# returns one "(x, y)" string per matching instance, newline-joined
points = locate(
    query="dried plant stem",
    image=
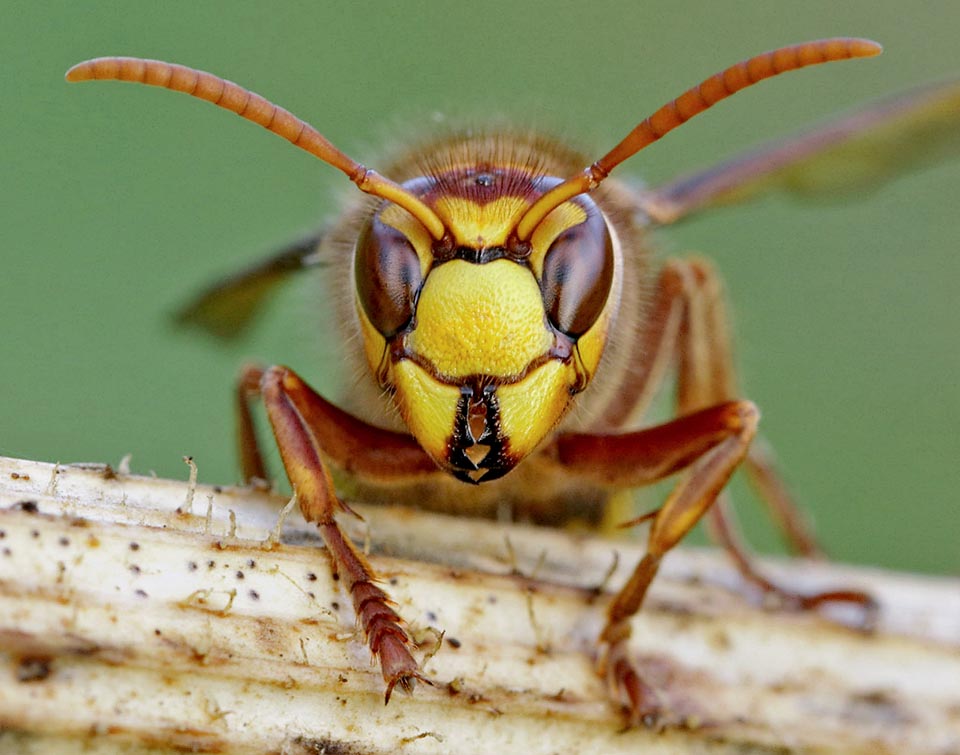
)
(129, 624)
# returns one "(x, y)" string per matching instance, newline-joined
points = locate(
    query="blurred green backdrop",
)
(119, 201)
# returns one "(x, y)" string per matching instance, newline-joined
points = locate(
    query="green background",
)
(118, 202)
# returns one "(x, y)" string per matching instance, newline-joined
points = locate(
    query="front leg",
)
(307, 428)
(712, 443)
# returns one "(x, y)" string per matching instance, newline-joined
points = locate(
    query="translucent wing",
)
(856, 152)
(228, 307)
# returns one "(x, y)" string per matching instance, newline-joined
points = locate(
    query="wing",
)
(227, 308)
(858, 151)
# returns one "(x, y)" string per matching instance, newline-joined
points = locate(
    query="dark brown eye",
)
(578, 273)
(387, 274)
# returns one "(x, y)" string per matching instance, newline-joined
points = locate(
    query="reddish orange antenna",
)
(693, 102)
(255, 108)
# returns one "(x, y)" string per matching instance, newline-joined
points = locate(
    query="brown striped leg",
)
(678, 298)
(707, 376)
(349, 443)
(712, 443)
(304, 425)
(687, 327)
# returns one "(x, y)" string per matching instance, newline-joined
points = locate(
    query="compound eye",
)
(578, 273)
(387, 274)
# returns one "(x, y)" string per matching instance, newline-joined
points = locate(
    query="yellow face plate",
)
(480, 320)
(480, 342)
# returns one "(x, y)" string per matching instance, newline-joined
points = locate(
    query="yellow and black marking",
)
(477, 447)
(478, 335)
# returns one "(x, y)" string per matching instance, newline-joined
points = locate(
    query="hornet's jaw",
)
(478, 431)
(476, 449)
